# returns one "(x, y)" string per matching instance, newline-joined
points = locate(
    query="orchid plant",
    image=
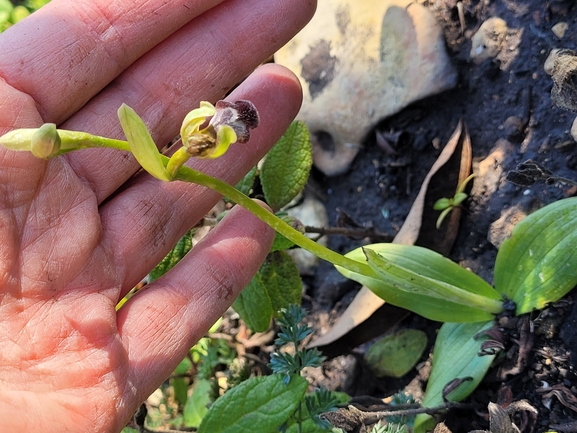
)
(535, 266)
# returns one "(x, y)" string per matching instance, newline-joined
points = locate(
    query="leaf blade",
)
(286, 168)
(260, 405)
(538, 263)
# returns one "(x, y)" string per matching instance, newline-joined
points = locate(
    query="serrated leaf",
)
(182, 247)
(196, 406)
(431, 273)
(406, 344)
(282, 280)
(254, 305)
(259, 405)
(538, 263)
(286, 169)
(455, 356)
(281, 243)
(141, 144)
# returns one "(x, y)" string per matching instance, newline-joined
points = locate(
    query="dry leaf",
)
(366, 302)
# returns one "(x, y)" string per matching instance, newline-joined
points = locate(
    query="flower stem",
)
(189, 175)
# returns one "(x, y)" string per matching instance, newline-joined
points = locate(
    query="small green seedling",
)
(446, 205)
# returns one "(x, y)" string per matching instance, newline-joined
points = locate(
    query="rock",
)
(360, 62)
(494, 40)
(559, 29)
(501, 229)
(311, 213)
(488, 41)
(574, 129)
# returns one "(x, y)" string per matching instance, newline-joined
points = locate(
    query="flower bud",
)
(45, 142)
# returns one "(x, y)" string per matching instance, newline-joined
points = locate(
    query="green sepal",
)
(538, 263)
(282, 280)
(286, 169)
(455, 356)
(259, 405)
(254, 306)
(426, 283)
(141, 144)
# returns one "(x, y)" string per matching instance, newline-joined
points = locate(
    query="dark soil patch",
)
(380, 188)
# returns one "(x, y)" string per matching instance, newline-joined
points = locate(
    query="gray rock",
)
(360, 62)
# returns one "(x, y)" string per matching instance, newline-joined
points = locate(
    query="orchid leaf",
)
(456, 356)
(141, 144)
(426, 283)
(538, 263)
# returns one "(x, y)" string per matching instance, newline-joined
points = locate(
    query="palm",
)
(77, 232)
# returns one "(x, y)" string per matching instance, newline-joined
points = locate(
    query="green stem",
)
(189, 175)
(73, 140)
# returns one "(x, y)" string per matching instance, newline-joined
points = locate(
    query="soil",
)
(505, 104)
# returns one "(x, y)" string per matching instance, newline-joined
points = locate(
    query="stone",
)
(560, 29)
(360, 62)
(311, 212)
(494, 40)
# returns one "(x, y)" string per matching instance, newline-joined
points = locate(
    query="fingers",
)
(143, 222)
(199, 62)
(159, 325)
(65, 53)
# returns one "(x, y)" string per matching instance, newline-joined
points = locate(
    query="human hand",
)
(77, 232)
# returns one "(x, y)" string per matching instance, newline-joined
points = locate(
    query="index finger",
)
(66, 52)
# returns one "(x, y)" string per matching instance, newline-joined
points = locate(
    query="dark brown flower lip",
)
(240, 115)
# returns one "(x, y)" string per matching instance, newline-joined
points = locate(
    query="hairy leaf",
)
(282, 280)
(286, 169)
(538, 263)
(258, 405)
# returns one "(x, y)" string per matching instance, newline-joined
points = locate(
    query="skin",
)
(77, 232)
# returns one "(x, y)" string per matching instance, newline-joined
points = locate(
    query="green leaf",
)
(180, 384)
(280, 242)
(182, 247)
(254, 306)
(141, 143)
(406, 344)
(426, 283)
(196, 406)
(455, 356)
(538, 263)
(259, 405)
(247, 182)
(286, 169)
(282, 280)
(307, 426)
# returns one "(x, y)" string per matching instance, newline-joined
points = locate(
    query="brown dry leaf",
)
(366, 302)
